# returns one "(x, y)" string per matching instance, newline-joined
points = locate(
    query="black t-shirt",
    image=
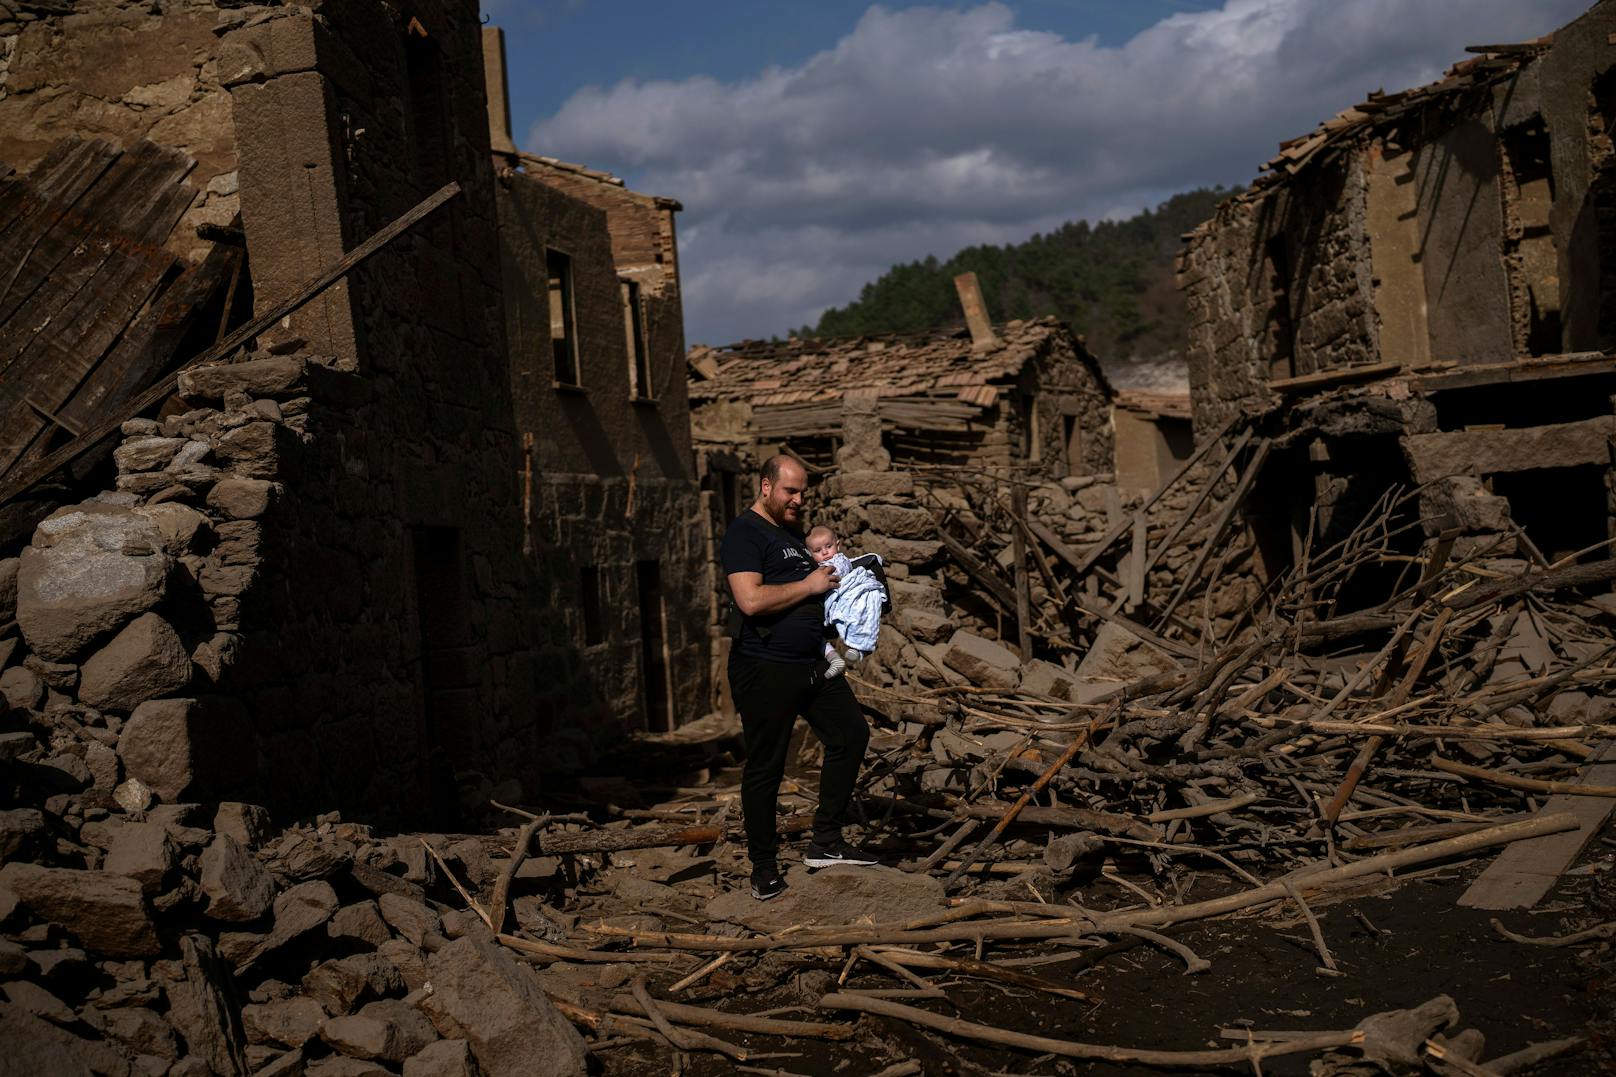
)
(797, 634)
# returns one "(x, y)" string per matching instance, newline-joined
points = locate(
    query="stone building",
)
(326, 574)
(1419, 292)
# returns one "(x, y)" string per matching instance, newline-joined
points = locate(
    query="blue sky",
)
(814, 144)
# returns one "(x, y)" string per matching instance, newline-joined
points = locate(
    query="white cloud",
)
(928, 129)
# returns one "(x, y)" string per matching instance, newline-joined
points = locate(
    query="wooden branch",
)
(1326, 961)
(502, 888)
(980, 969)
(955, 1026)
(572, 953)
(1553, 580)
(737, 1022)
(1530, 785)
(1194, 963)
(471, 902)
(1236, 499)
(26, 477)
(1199, 810)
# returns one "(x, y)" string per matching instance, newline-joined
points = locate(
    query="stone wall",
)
(125, 71)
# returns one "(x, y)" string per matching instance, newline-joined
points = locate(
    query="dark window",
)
(429, 137)
(653, 647)
(1535, 257)
(558, 268)
(639, 360)
(1281, 329)
(589, 596)
(1072, 444)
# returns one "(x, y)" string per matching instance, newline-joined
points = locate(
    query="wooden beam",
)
(1324, 379)
(27, 477)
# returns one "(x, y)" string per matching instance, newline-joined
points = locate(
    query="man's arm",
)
(754, 597)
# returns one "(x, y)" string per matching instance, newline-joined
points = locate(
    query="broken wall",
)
(612, 511)
(123, 72)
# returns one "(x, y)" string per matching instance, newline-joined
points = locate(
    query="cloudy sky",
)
(815, 144)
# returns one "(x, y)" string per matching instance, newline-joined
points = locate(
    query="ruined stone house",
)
(1419, 292)
(349, 568)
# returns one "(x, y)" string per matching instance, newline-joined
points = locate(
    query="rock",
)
(35, 1046)
(338, 985)
(410, 918)
(870, 484)
(272, 376)
(343, 1066)
(289, 1022)
(137, 1028)
(247, 823)
(925, 625)
(408, 960)
(143, 852)
(983, 662)
(1119, 656)
(178, 524)
(145, 660)
(445, 1058)
(1042, 678)
(133, 796)
(237, 886)
(8, 587)
(480, 994)
(90, 569)
(146, 453)
(241, 499)
(14, 746)
(362, 922)
(22, 688)
(65, 967)
(106, 913)
(301, 909)
(63, 676)
(34, 999)
(21, 832)
(13, 959)
(205, 1010)
(183, 747)
(391, 1030)
(838, 895)
(102, 763)
(898, 551)
(251, 451)
(898, 522)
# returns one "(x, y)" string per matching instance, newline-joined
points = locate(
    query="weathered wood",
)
(1235, 501)
(1558, 579)
(26, 477)
(1018, 550)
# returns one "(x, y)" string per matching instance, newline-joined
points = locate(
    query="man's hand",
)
(822, 579)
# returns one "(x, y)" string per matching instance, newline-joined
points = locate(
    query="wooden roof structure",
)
(923, 381)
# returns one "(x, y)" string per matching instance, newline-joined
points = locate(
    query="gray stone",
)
(445, 1058)
(143, 852)
(898, 522)
(251, 450)
(106, 913)
(14, 746)
(22, 688)
(133, 795)
(247, 823)
(1118, 656)
(409, 917)
(870, 484)
(480, 994)
(63, 676)
(272, 376)
(342, 1065)
(191, 453)
(238, 888)
(362, 922)
(102, 763)
(839, 895)
(90, 569)
(339, 985)
(289, 1022)
(1042, 678)
(205, 1009)
(137, 1028)
(21, 832)
(146, 453)
(35, 1046)
(898, 551)
(925, 625)
(984, 663)
(144, 661)
(181, 747)
(241, 499)
(178, 524)
(34, 999)
(301, 909)
(8, 587)
(390, 1030)
(408, 960)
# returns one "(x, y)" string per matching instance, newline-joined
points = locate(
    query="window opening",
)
(558, 269)
(1531, 252)
(639, 361)
(589, 595)
(1281, 330)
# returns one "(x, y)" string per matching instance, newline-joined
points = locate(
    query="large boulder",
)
(146, 660)
(238, 888)
(184, 748)
(480, 994)
(983, 662)
(90, 569)
(142, 851)
(107, 913)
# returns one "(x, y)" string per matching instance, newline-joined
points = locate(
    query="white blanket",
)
(854, 607)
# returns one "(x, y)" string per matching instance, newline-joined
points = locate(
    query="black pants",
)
(770, 696)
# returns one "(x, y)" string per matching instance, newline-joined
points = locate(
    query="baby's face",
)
(824, 548)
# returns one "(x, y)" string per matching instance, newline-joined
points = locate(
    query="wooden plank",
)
(1570, 365)
(1018, 549)
(1235, 501)
(1525, 872)
(1135, 576)
(1339, 376)
(28, 476)
(967, 560)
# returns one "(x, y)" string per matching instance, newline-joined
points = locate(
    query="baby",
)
(854, 608)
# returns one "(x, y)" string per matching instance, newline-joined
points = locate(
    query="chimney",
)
(976, 313)
(497, 91)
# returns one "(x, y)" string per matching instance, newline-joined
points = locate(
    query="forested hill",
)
(1112, 282)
